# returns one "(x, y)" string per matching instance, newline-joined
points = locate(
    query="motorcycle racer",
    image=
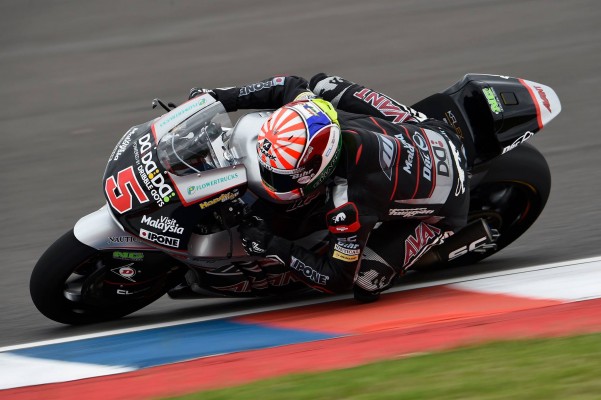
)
(391, 182)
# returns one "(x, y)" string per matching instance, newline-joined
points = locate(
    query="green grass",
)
(563, 368)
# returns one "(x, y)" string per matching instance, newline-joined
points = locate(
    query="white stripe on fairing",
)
(18, 371)
(588, 264)
(570, 283)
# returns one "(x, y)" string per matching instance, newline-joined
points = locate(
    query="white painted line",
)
(587, 261)
(571, 283)
(18, 371)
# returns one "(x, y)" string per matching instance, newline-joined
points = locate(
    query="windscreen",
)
(195, 145)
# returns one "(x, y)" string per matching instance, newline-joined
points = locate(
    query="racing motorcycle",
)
(176, 188)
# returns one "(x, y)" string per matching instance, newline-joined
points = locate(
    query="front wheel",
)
(76, 284)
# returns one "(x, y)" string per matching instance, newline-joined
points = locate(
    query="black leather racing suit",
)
(399, 186)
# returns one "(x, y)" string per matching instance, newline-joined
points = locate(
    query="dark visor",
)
(277, 182)
(286, 180)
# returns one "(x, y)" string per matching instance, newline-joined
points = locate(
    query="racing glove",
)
(195, 92)
(255, 236)
(258, 240)
(329, 87)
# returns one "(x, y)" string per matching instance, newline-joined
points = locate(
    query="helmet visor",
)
(287, 180)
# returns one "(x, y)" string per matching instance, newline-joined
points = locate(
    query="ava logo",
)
(543, 97)
(423, 236)
(126, 272)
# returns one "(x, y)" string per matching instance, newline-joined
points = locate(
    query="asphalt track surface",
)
(74, 76)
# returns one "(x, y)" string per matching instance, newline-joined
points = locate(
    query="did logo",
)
(126, 272)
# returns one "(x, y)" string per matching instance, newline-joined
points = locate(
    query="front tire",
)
(69, 285)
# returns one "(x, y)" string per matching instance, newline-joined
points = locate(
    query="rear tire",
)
(510, 197)
(67, 285)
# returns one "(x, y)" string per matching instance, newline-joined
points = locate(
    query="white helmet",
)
(298, 148)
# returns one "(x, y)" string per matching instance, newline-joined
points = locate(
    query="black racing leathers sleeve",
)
(270, 93)
(335, 270)
(352, 97)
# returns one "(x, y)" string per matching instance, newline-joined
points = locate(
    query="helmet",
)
(298, 148)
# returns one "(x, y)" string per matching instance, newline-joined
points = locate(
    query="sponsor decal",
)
(191, 106)
(460, 187)
(123, 144)
(128, 255)
(410, 212)
(303, 201)
(388, 154)
(493, 100)
(372, 280)
(308, 272)
(255, 87)
(118, 191)
(410, 153)
(122, 239)
(468, 248)
(440, 154)
(160, 239)
(450, 119)
(349, 243)
(241, 287)
(220, 199)
(164, 224)
(149, 172)
(265, 149)
(384, 104)
(543, 97)
(340, 217)
(423, 236)
(281, 279)
(421, 144)
(126, 272)
(518, 141)
(345, 257)
(347, 251)
(344, 219)
(196, 188)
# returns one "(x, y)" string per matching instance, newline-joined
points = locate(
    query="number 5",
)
(126, 179)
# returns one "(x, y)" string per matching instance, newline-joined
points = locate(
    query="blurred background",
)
(76, 75)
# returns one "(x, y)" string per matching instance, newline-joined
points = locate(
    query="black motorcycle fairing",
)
(493, 114)
(160, 208)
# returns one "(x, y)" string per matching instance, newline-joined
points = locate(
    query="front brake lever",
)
(167, 107)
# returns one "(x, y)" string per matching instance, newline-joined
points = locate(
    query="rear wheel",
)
(510, 197)
(76, 284)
